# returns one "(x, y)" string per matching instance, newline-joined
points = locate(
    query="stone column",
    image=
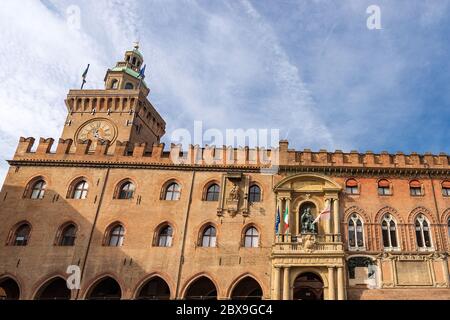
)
(340, 283)
(445, 270)
(276, 283)
(286, 284)
(331, 284)
(336, 216)
(328, 222)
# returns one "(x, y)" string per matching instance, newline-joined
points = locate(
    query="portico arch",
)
(308, 286)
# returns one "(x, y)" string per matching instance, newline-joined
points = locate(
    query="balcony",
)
(307, 244)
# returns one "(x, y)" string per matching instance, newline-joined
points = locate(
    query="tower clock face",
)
(95, 130)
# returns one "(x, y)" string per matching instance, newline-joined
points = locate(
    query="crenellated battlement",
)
(219, 156)
(68, 150)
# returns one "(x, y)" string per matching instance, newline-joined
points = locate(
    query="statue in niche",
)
(307, 220)
(234, 193)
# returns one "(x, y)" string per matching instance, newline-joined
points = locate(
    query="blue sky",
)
(310, 68)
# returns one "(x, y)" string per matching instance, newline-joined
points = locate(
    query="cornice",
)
(283, 170)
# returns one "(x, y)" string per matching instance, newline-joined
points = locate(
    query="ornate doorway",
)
(308, 286)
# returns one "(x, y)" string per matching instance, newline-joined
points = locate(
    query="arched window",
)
(172, 192)
(38, 189)
(116, 236)
(80, 190)
(389, 232)
(351, 186)
(446, 188)
(68, 236)
(212, 194)
(114, 84)
(254, 193)
(251, 238)
(209, 237)
(384, 187)
(129, 86)
(422, 232)
(165, 236)
(21, 235)
(355, 233)
(415, 188)
(126, 190)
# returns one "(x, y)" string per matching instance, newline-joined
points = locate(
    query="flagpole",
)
(84, 76)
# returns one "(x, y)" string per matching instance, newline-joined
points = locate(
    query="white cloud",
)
(230, 64)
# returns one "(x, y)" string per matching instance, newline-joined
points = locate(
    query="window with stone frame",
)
(422, 228)
(446, 188)
(254, 194)
(415, 188)
(251, 238)
(213, 192)
(165, 236)
(38, 190)
(209, 237)
(126, 190)
(389, 232)
(68, 235)
(384, 187)
(116, 236)
(80, 190)
(173, 192)
(21, 235)
(355, 233)
(351, 186)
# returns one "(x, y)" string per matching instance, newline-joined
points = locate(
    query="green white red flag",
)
(286, 220)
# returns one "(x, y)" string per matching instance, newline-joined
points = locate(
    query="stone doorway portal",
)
(308, 286)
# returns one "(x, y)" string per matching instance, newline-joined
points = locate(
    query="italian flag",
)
(286, 220)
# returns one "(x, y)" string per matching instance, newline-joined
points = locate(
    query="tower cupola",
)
(134, 58)
(129, 73)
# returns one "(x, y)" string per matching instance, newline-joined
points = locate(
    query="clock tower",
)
(119, 112)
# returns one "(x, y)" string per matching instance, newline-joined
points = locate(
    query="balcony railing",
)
(307, 243)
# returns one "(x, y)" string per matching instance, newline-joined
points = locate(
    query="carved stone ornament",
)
(234, 193)
(233, 200)
(309, 242)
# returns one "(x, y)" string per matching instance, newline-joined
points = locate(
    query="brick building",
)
(143, 222)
